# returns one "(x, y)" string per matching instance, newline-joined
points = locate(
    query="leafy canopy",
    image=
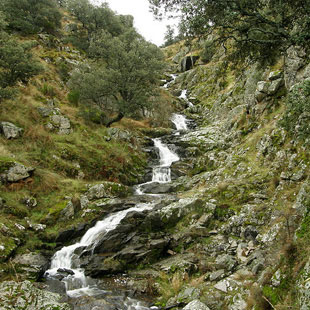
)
(31, 16)
(257, 26)
(123, 75)
(16, 62)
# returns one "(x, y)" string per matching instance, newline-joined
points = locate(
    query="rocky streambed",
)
(135, 235)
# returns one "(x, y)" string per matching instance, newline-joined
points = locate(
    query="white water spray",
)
(67, 259)
(179, 121)
(184, 97)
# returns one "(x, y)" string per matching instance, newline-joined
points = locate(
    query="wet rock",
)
(158, 188)
(10, 131)
(25, 295)
(71, 233)
(32, 265)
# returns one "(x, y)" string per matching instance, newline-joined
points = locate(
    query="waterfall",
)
(67, 260)
(162, 173)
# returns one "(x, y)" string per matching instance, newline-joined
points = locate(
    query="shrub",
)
(74, 97)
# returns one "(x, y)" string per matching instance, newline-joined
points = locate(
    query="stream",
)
(65, 264)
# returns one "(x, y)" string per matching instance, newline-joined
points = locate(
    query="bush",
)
(296, 119)
(31, 16)
(74, 97)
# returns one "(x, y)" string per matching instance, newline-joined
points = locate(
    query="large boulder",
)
(31, 265)
(9, 130)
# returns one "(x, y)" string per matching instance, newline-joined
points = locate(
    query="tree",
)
(31, 16)
(96, 18)
(257, 26)
(16, 62)
(169, 36)
(123, 76)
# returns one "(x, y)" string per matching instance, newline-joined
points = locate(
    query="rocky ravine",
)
(231, 233)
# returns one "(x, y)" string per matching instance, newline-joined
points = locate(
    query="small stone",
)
(196, 305)
(19, 226)
(217, 275)
(275, 75)
(221, 286)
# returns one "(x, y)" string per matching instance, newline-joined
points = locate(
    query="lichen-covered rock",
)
(10, 131)
(24, 295)
(106, 190)
(16, 172)
(303, 288)
(294, 61)
(60, 123)
(68, 212)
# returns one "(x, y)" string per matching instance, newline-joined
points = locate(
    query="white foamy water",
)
(173, 77)
(162, 172)
(184, 97)
(179, 121)
(66, 258)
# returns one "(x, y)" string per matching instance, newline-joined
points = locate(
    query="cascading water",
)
(184, 97)
(173, 77)
(179, 121)
(162, 173)
(67, 260)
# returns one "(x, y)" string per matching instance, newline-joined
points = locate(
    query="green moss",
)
(6, 163)
(271, 294)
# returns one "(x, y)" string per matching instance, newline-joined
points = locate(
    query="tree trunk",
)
(116, 119)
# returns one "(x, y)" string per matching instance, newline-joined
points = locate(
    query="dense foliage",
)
(124, 69)
(31, 16)
(258, 27)
(16, 62)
